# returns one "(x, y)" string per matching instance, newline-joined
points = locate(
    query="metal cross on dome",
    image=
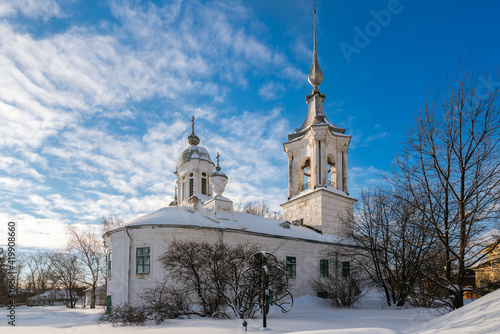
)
(218, 156)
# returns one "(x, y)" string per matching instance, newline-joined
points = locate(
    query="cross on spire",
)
(193, 140)
(218, 167)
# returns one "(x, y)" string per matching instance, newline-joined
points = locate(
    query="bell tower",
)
(317, 165)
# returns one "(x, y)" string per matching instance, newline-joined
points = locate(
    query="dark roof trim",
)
(231, 230)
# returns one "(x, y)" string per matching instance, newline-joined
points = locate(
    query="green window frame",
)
(142, 260)
(324, 268)
(322, 294)
(110, 258)
(346, 270)
(291, 266)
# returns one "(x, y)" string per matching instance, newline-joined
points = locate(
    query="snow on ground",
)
(480, 316)
(310, 315)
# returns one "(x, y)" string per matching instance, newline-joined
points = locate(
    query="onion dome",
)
(193, 151)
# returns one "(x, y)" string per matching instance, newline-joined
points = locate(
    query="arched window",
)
(204, 183)
(191, 185)
(307, 174)
(332, 173)
(183, 188)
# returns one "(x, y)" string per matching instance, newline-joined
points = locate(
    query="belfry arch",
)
(331, 179)
(305, 173)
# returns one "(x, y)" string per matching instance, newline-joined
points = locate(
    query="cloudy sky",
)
(96, 97)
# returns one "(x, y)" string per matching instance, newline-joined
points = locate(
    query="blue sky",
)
(96, 97)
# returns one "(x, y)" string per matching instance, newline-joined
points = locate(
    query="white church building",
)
(318, 202)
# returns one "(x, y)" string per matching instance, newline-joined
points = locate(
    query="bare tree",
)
(450, 167)
(89, 247)
(110, 222)
(259, 208)
(339, 290)
(38, 272)
(210, 273)
(392, 243)
(3, 277)
(67, 270)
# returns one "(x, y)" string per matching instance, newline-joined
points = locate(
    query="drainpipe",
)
(129, 263)
(222, 235)
(106, 262)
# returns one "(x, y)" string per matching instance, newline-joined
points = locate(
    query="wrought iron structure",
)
(264, 284)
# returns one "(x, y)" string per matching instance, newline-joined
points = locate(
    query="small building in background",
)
(100, 296)
(55, 297)
(488, 271)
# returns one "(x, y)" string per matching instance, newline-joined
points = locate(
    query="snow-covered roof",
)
(184, 217)
(97, 288)
(53, 294)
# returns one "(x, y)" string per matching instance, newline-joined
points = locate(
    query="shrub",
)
(340, 291)
(164, 301)
(125, 314)
(208, 274)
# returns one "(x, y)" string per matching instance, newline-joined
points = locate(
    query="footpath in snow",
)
(310, 315)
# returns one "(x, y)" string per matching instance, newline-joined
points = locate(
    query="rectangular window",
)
(204, 186)
(346, 270)
(109, 265)
(143, 261)
(324, 268)
(291, 266)
(322, 294)
(191, 187)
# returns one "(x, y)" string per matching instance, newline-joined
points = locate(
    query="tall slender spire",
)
(315, 100)
(315, 73)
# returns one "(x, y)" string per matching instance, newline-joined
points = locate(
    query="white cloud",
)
(362, 176)
(271, 90)
(35, 232)
(80, 145)
(39, 9)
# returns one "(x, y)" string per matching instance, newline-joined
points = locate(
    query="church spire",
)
(315, 73)
(193, 139)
